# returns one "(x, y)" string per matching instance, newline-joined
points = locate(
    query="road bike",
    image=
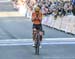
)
(37, 38)
(37, 42)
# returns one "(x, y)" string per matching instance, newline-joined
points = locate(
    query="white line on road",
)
(46, 41)
(53, 43)
(11, 14)
(5, 0)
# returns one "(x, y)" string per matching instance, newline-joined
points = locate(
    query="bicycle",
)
(37, 42)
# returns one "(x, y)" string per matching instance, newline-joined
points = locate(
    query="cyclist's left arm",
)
(40, 16)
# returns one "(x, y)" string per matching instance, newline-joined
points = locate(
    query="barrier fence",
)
(65, 23)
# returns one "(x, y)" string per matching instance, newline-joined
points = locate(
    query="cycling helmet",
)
(37, 9)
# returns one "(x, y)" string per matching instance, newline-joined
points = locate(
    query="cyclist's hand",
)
(33, 18)
(37, 18)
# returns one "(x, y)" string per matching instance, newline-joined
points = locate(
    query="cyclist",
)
(36, 20)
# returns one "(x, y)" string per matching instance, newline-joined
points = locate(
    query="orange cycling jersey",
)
(37, 20)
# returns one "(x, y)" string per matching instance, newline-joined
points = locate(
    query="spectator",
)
(73, 7)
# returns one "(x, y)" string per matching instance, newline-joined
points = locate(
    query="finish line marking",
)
(46, 41)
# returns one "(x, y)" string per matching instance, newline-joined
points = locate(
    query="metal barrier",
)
(65, 23)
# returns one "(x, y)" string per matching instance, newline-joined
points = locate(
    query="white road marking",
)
(10, 14)
(5, 0)
(46, 41)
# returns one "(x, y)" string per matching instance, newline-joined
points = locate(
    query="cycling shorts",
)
(37, 26)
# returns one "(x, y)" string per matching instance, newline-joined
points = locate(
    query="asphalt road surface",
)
(6, 7)
(46, 52)
(21, 28)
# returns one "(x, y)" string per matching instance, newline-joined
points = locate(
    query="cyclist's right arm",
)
(34, 17)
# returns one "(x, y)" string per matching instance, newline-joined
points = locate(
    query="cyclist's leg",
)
(34, 34)
(41, 33)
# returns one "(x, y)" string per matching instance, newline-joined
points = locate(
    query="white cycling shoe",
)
(39, 46)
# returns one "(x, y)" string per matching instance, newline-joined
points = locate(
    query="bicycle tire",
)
(37, 50)
(37, 44)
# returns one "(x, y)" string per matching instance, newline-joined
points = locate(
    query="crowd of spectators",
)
(60, 8)
(48, 7)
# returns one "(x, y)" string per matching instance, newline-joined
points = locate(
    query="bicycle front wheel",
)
(37, 44)
(37, 50)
